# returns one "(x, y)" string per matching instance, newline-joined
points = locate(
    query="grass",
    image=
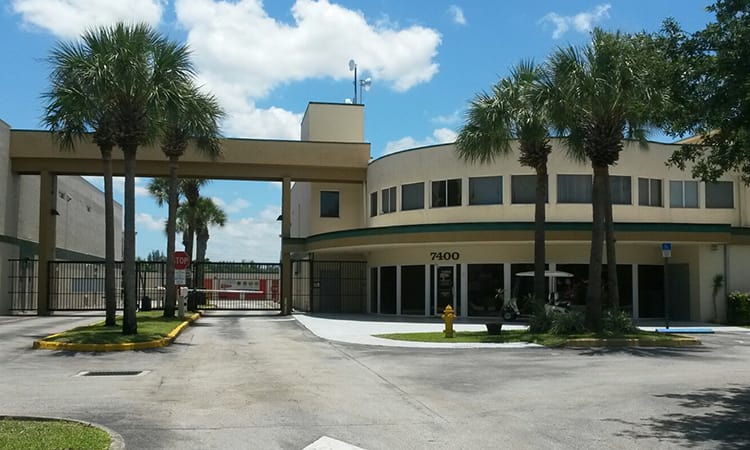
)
(546, 339)
(151, 326)
(29, 434)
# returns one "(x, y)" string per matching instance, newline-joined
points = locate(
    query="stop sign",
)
(181, 260)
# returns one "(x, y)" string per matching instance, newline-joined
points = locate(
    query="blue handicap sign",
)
(666, 246)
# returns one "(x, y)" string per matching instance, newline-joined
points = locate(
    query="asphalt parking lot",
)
(247, 381)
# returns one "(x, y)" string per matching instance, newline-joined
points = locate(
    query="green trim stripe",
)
(523, 226)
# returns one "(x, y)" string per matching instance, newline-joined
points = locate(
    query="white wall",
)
(80, 223)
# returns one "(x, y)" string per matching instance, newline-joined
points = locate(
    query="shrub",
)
(617, 322)
(541, 320)
(570, 322)
(738, 312)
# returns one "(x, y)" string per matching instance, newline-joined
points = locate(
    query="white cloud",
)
(457, 14)
(118, 185)
(67, 19)
(439, 136)
(250, 238)
(235, 206)
(582, 22)
(449, 119)
(150, 222)
(242, 54)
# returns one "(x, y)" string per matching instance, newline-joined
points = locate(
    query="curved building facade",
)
(431, 229)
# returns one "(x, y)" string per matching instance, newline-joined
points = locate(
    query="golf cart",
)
(510, 309)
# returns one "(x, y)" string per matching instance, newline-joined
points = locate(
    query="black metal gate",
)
(79, 285)
(236, 286)
(329, 286)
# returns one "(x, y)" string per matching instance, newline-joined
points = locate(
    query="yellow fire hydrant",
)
(448, 317)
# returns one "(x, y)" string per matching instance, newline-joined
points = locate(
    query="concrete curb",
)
(682, 341)
(118, 443)
(42, 344)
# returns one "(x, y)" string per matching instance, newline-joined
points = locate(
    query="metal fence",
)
(317, 286)
(79, 285)
(236, 286)
(22, 284)
(329, 286)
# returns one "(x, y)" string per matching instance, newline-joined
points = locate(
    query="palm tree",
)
(78, 104)
(199, 216)
(195, 117)
(601, 95)
(137, 74)
(515, 110)
(189, 188)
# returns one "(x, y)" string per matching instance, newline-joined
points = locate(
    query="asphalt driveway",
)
(246, 381)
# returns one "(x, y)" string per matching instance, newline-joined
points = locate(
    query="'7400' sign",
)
(445, 256)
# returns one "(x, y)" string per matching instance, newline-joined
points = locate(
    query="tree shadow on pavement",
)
(697, 351)
(717, 417)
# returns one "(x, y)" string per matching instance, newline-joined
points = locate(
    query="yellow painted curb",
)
(682, 341)
(43, 344)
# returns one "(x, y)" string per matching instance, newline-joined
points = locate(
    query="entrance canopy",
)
(34, 152)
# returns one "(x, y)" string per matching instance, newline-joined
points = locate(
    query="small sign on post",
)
(181, 262)
(666, 253)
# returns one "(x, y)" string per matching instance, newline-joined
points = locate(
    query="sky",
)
(266, 60)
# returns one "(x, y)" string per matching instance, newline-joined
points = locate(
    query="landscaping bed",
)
(643, 338)
(153, 331)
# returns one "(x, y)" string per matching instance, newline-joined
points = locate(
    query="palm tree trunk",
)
(594, 291)
(110, 293)
(539, 222)
(171, 292)
(129, 323)
(201, 244)
(613, 289)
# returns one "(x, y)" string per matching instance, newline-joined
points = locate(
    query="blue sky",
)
(266, 60)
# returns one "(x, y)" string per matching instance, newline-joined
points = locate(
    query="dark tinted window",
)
(329, 204)
(486, 191)
(412, 196)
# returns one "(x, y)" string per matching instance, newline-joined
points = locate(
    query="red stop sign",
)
(181, 260)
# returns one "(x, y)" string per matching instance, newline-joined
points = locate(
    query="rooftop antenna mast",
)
(353, 67)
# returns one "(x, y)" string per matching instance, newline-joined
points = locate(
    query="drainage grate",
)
(113, 373)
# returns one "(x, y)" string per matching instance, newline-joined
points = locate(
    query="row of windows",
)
(570, 189)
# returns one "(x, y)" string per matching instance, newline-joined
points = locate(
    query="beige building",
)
(432, 229)
(79, 232)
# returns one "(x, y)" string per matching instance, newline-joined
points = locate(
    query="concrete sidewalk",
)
(360, 329)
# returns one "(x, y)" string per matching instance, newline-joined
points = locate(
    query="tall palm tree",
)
(601, 95)
(194, 118)
(515, 110)
(138, 73)
(199, 216)
(79, 105)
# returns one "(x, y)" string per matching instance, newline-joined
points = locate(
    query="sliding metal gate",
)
(237, 286)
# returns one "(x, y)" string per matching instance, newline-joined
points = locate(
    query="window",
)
(574, 189)
(329, 204)
(720, 194)
(486, 191)
(446, 193)
(649, 192)
(620, 190)
(523, 189)
(683, 194)
(373, 204)
(412, 196)
(388, 200)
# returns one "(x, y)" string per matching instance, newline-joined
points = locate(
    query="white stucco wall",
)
(80, 223)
